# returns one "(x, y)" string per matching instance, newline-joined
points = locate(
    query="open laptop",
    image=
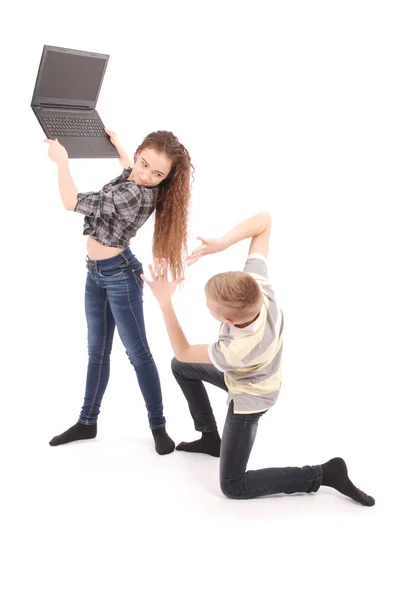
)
(64, 101)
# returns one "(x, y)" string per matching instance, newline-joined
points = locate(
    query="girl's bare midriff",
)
(98, 252)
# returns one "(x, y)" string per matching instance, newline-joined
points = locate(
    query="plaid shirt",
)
(114, 215)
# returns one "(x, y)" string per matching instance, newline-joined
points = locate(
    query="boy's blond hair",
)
(237, 293)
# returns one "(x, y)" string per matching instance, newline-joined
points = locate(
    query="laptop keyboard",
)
(73, 125)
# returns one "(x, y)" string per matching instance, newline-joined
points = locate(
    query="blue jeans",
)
(114, 296)
(237, 441)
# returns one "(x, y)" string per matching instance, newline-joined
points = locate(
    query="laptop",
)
(64, 101)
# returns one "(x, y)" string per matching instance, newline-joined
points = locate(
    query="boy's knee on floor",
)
(230, 489)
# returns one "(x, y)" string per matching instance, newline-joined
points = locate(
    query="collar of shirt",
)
(240, 332)
(126, 172)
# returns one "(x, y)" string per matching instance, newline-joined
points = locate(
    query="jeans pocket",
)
(137, 271)
(136, 266)
(111, 272)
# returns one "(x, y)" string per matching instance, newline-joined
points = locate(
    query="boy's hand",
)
(57, 153)
(162, 288)
(208, 246)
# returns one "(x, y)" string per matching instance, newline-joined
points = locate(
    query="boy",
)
(245, 362)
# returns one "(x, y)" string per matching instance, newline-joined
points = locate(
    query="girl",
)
(158, 179)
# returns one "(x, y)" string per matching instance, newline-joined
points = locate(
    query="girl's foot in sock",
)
(163, 442)
(209, 443)
(79, 431)
(335, 475)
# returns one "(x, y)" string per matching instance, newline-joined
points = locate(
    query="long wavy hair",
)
(172, 208)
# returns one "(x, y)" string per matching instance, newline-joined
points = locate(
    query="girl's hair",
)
(172, 208)
(237, 293)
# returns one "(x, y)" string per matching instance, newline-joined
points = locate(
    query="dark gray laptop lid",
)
(69, 77)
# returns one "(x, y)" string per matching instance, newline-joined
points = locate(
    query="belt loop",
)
(125, 258)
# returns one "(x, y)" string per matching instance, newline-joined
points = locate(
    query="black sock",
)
(79, 431)
(209, 443)
(335, 475)
(163, 442)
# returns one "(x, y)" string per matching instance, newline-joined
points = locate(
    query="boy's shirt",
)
(251, 357)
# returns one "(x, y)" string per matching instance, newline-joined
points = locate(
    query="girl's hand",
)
(208, 246)
(114, 139)
(57, 153)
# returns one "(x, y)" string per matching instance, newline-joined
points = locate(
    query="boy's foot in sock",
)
(163, 442)
(79, 431)
(335, 475)
(209, 443)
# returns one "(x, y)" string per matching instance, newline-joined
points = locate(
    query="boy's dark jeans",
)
(237, 440)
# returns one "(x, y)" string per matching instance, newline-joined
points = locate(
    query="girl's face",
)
(150, 167)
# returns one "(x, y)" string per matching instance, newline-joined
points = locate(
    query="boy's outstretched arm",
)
(163, 290)
(256, 227)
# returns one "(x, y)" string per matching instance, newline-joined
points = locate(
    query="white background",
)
(293, 107)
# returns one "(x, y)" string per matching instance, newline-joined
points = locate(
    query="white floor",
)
(110, 518)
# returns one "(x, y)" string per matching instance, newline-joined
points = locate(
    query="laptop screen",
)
(68, 76)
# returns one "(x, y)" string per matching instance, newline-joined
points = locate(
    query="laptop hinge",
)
(64, 106)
